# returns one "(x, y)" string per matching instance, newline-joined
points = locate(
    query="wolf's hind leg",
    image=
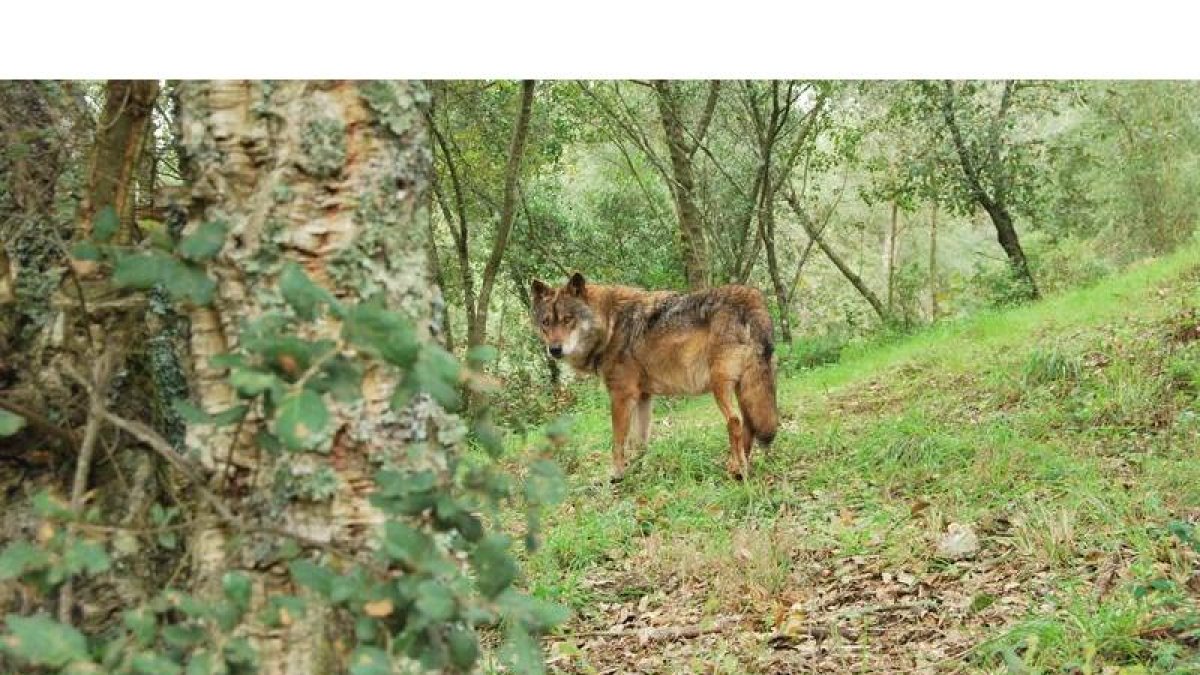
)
(622, 410)
(641, 416)
(739, 461)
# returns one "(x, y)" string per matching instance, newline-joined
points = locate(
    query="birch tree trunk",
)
(332, 176)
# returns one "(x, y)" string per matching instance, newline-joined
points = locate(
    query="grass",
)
(1064, 432)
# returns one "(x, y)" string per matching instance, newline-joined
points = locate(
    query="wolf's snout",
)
(556, 351)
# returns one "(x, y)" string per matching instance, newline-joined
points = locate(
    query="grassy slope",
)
(1065, 433)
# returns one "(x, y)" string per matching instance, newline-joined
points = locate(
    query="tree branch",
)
(512, 173)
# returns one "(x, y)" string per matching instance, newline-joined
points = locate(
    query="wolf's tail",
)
(756, 393)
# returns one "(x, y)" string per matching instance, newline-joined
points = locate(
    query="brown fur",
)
(646, 343)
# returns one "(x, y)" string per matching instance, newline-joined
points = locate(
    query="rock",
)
(959, 542)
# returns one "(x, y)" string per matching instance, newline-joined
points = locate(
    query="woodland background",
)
(235, 318)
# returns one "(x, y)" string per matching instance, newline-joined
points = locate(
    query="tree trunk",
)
(889, 257)
(993, 203)
(121, 133)
(353, 160)
(854, 279)
(683, 190)
(516, 150)
(933, 267)
(1006, 234)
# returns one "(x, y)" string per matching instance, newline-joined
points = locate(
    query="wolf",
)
(647, 343)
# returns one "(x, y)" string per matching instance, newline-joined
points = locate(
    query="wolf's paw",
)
(737, 470)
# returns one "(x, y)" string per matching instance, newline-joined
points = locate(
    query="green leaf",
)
(142, 623)
(436, 372)
(43, 641)
(312, 576)
(20, 557)
(545, 485)
(382, 333)
(284, 606)
(341, 378)
(82, 555)
(85, 250)
(183, 636)
(237, 588)
(105, 224)
(531, 613)
(405, 543)
(495, 569)
(10, 423)
(204, 243)
(290, 356)
(251, 382)
(188, 282)
(302, 420)
(481, 355)
(143, 270)
(435, 601)
(370, 661)
(304, 296)
(203, 662)
(521, 653)
(464, 647)
(149, 663)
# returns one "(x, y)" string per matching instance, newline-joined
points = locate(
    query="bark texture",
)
(332, 176)
(683, 180)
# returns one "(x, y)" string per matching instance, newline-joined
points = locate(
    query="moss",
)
(323, 141)
(397, 105)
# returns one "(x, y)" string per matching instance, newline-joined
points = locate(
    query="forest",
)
(274, 394)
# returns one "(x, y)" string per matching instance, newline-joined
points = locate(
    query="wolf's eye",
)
(546, 322)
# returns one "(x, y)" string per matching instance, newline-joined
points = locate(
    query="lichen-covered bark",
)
(332, 176)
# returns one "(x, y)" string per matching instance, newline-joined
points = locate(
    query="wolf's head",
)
(564, 320)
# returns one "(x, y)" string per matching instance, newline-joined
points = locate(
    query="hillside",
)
(1063, 435)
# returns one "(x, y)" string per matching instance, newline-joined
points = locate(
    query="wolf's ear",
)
(576, 284)
(539, 289)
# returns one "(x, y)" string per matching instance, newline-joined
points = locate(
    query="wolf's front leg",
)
(622, 410)
(641, 426)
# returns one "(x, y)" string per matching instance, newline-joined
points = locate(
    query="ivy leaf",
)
(382, 333)
(304, 296)
(183, 636)
(85, 556)
(481, 355)
(237, 588)
(43, 641)
(370, 661)
(105, 224)
(302, 420)
(85, 250)
(312, 576)
(341, 378)
(203, 663)
(494, 567)
(521, 653)
(20, 557)
(142, 623)
(545, 484)
(149, 663)
(142, 270)
(251, 382)
(188, 282)
(404, 543)
(204, 243)
(10, 423)
(192, 414)
(464, 647)
(435, 601)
